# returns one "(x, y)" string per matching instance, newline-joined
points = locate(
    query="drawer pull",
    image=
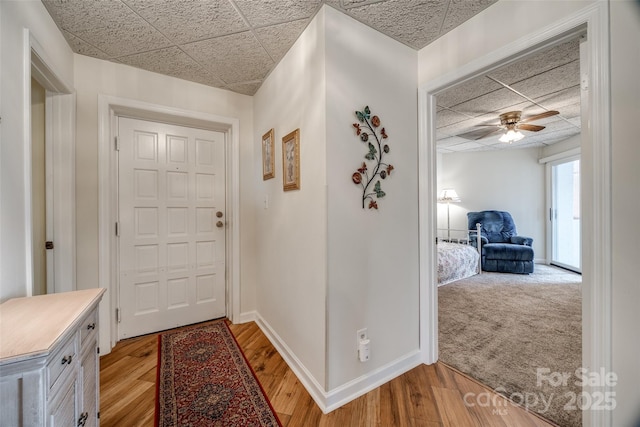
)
(67, 359)
(91, 326)
(83, 419)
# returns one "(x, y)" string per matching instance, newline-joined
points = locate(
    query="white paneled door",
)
(171, 226)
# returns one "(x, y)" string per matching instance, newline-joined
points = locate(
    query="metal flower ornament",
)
(370, 134)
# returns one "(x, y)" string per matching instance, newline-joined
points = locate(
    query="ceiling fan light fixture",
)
(511, 136)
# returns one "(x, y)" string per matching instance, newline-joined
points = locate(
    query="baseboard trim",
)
(364, 384)
(246, 317)
(329, 401)
(308, 381)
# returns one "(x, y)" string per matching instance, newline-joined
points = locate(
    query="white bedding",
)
(456, 261)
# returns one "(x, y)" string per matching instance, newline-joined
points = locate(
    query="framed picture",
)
(291, 161)
(268, 156)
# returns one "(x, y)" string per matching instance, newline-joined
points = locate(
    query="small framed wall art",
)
(268, 156)
(291, 161)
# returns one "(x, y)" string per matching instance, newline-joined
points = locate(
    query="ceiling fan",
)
(511, 122)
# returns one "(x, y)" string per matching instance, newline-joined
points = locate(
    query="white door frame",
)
(596, 181)
(109, 108)
(549, 163)
(60, 114)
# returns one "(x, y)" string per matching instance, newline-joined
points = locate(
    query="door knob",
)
(219, 214)
(219, 224)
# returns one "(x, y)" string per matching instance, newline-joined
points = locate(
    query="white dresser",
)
(49, 364)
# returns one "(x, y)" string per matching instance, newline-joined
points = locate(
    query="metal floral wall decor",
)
(373, 136)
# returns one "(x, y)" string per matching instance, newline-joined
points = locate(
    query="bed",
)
(458, 257)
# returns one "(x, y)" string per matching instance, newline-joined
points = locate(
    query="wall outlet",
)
(361, 335)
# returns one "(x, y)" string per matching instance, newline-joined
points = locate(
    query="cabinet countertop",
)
(30, 326)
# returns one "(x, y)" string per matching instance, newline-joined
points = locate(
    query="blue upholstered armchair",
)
(503, 250)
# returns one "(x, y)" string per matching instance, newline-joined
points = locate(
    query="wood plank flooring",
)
(429, 396)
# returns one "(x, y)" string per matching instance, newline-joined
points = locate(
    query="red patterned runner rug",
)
(205, 380)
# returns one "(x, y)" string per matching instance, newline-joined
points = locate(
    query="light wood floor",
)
(427, 396)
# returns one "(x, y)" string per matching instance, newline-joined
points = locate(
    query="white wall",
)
(505, 180)
(463, 45)
(291, 235)
(372, 255)
(15, 16)
(625, 98)
(94, 77)
(328, 267)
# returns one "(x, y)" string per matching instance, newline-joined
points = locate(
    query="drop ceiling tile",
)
(453, 140)
(248, 88)
(552, 81)
(493, 101)
(172, 62)
(124, 39)
(519, 145)
(415, 23)
(235, 58)
(555, 126)
(268, 12)
(538, 63)
(465, 91)
(83, 48)
(469, 145)
(465, 126)
(336, 4)
(447, 117)
(79, 15)
(577, 121)
(461, 11)
(443, 150)
(553, 137)
(346, 4)
(557, 100)
(521, 106)
(567, 112)
(186, 21)
(110, 26)
(278, 39)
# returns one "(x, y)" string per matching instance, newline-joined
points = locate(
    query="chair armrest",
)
(521, 240)
(473, 239)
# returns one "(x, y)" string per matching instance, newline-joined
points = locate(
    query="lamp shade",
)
(449, 195)
(511, 136)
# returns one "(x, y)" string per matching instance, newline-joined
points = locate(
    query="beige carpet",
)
(500, 328)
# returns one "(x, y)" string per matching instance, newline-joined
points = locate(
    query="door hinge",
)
(98, 350)
(117, 143)
(98, 414)
(118, 318)
(48, 244)
(117, 229)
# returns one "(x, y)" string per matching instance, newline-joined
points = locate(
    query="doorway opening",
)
(595, 181)
(50, 174)
(39, 190)
(564, 215)
(491, 319)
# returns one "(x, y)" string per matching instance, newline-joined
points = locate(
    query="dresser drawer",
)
(62, 362)
(89, 325)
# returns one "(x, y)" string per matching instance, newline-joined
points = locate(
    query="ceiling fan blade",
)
(497, 124)
(474, 135)
(532, 128)
(539, 116)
